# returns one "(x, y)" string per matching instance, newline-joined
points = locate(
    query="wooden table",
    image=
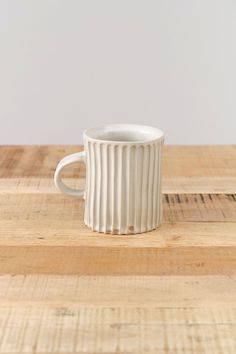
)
(65, 289)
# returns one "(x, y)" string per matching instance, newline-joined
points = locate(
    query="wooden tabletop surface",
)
(66, 289)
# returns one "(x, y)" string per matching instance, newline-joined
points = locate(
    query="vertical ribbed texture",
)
(123, 187)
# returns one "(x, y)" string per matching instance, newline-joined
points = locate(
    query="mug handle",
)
(68, 160)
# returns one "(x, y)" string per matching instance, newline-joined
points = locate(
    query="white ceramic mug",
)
(123, 178)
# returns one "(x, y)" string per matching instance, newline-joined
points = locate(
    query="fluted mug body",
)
(123, 189)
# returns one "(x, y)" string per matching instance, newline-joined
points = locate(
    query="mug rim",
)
(156, 134)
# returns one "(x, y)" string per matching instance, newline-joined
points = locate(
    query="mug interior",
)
(127, 133)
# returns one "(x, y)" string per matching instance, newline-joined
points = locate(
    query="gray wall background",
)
(68, 65)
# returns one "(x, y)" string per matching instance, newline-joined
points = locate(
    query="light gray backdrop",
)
(67, 65)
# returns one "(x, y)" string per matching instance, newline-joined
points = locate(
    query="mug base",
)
(129, 231)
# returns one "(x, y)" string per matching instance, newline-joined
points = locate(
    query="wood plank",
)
(200, 161)
(36, 161)
(200, 169)
(117, 330)
(205, 185)
(178, 248)
(56, 314)
(187, 169)
(171, 185)
(179, 161)
(56, 208)
(84, 260)
(173, 235)
(34, 185)
(38, 231)
(170, 235)
(129, 291)
(199, 207)
(44, 233)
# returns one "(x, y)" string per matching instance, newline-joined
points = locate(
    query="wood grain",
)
(135, 314)
(129, 291)
(36, 161)
(171, 185)
(38, 230)
(117, 330)
(114, 261)
(171, 291)
(41, 201)
(40, 161)
(187, 169)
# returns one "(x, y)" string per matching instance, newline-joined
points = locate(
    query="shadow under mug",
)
(123, 178)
